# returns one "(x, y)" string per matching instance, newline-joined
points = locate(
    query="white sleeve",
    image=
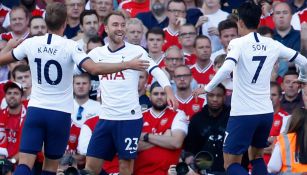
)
(160, 76)
(275, 162)
(222, 74)
(180, 122)
(20, 52)
(295, 22)
(84, 139)
(234, 50)
(78, 55)
(301, 61)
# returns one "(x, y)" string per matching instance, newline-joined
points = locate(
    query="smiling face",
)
(115, 29)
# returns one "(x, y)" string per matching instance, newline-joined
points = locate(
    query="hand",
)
(172, 170)
(201, 20)
(137, 64)
(213, 31)
(198, 91)
(171, 99)
(13, 43)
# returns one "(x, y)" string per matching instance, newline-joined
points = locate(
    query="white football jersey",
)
(51, 60)
(119, 91)
(255, 57)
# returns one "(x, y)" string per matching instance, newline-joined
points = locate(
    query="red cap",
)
(12, 84)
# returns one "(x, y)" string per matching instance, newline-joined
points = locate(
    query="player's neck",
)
(16, 110)
(57, 32)
(81, 100)
(247, 31)
(114, 46)
(184, 94)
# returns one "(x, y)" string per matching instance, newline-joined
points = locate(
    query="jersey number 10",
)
(46, 71)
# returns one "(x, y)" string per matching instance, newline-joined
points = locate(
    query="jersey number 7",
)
(262, 60)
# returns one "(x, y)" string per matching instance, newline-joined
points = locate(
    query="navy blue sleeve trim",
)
(293, 58)
(256, 37)
(152, 69)
(14, 56)
(80, 64)
(234, 60)
(49, 38)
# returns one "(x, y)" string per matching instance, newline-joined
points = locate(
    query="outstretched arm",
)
(105, 68)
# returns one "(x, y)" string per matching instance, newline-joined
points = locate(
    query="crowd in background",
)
(188, 39)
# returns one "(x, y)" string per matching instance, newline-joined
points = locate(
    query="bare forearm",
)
(144, 145)
(168, 142)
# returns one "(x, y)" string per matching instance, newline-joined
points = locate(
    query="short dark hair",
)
(156, 31)
(116, 13)
(56, 14)
(199, 37)
(20, 68)
(154, 85)
(176, 1)
(35, 17)
(87, 13)
(95, 39)
(20, 7)
(275, 84)
(227, 24)
(222, 87)
(263, 30)
(291, 71)
(250, 14)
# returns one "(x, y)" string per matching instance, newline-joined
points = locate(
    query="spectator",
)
(298, 19)
(11, 120)
(176, 13)
(155, 39)
(89, 26)
(74, 10)
(134, 31)
(143, 98)
(267, 13)
(213, 15)
(202, 70)
(38, 26)
(162, 135)
(304, 39)
(173, 59)
(187, 35)
(187, 102)
(304, 94)
(3, 11)
(280, 119)
(103, 9)
(289, 154)
(284, 32)
(135, 7)
(228, 30)
(156, 17)
(292, 98)
(22, 75)
(32, 9)
(19, 19)
(297, 5)
(207, 129)
(265, 31)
